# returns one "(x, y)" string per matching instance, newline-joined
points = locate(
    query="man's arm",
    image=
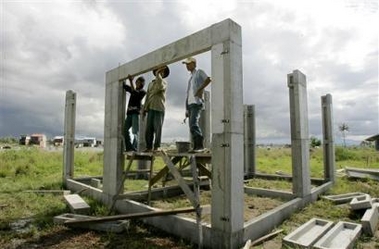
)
(199, 92)
(130, 78)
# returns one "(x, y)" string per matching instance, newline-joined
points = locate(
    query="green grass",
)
(30, 168)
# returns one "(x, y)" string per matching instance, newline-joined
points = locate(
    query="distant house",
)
(374, 139)
(58, 141)
(38, 139)
(89, 142)
(24, 140)
(85, 142)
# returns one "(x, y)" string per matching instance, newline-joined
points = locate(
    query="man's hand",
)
(130, 77)
(144, 112)
(199, 93)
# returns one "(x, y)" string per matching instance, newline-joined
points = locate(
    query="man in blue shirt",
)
(194, 102)
(137, 93)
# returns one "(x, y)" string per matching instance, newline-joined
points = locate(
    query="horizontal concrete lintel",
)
(269, 193)
(196, 43)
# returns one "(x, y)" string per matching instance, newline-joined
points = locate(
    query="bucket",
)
(183, 147)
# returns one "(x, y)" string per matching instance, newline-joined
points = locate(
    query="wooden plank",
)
(150, 175)
(204, 171)
(265, 238)
(131, 216)
(196, 189)
(178, 177)
(158, 176)
(121, 187)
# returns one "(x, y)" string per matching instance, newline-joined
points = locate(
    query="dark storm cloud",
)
(51, 47)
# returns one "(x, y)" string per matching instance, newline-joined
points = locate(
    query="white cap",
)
(189, 60)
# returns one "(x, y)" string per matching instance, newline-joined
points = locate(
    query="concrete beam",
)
(76, 204)
(269, 193)
(227, 143)
(342, 198)
(299, 133)
(69, 135)
(113, 138)
(307, 234)
(370, 220)
(196, 43)
(361, 202)
(328, 137)
(249, 140)
(343, 235)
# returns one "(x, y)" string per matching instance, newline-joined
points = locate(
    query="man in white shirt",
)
(197, 82)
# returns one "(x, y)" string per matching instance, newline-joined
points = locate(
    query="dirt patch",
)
(253, 207)
(137, 236)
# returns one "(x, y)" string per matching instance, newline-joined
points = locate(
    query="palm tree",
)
(343, 128)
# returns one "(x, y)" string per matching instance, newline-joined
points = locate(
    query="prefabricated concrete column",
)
(299, 133)
(205, 120)
(249, 139)
(69, 135)
(328, 138)
(113, 136)
(227, 142)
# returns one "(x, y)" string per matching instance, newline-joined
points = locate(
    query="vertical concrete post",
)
(205, 120)
(299, 133)
(69, 135)
(328, 138)
(227, 142)
(249, 140)
(113, 136)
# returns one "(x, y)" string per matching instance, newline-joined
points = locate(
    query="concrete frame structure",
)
(227, 228)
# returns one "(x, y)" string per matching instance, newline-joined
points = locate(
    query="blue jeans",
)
(154, 125)
(194, 111)
(131, 121)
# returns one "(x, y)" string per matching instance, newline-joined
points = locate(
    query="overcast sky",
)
(51, 46)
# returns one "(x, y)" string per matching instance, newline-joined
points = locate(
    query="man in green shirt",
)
(155, 108)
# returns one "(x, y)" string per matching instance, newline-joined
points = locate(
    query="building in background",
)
(38, 139)
(58, 141)
(374, 139)
(24, 140)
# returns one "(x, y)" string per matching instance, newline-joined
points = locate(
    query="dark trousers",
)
(194, 111)
(154, 125)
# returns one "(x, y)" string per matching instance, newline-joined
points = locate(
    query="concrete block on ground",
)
(361, 202)
(76, 204)
(342, 198)
(374, 200)
(370, 220)
(342, 236)
(109, 226)
(307, 234)
(96, 183)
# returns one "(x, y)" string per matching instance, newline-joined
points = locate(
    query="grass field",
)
(26, 217)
